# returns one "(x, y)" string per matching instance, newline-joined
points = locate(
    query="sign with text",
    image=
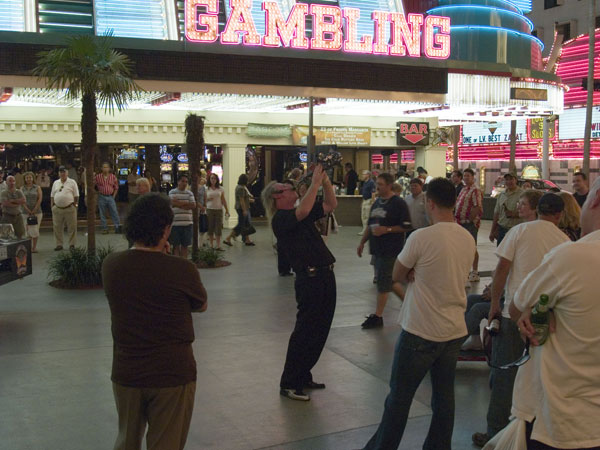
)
(349, 136)
(264, 130)
(492, 133)
(540, 95)
(572, 124)
(412, 133)
(535, 129)
(334, 29)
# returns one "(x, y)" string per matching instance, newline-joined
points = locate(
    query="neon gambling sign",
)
(413, 35)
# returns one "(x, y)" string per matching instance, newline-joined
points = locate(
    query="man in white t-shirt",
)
(559, 387)
(519, 253)
(63, 200)
(435, 262)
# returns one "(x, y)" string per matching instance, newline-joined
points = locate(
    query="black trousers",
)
(316, 297)
(283, 265)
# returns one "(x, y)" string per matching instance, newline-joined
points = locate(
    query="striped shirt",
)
(470, 197)
(108, 185)
(183, 217)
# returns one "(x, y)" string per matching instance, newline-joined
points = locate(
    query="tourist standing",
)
(202, 218)
(143, 185)
(315, 284)
(151, 297)
(12, 199)
(468, 212)
(215, 202)
(242, 207)
(457, 179)
(417, 205)
(182, 202)
(153, 183)
(368, 194)
(107, 186)
(19, 179)
(389, 219)
(350, 179)
(435, 263)
(32, 208)
(63, 201)
(132, 192)
(506, 215)
(520, 252)
(562, 412)
(580, 186)
(570, 220)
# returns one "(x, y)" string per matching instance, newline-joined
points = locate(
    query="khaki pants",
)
(364, 213)
(62, 217)
(17, 222)
(168, 412)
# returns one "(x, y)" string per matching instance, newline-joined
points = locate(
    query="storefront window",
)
(12, 15)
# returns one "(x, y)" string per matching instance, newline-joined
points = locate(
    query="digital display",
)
(124, 171)
(166, 177)
(184, 167)
(572, 123)
(165, 167)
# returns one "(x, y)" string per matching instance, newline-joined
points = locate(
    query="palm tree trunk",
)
(88, 147)
(194, 132)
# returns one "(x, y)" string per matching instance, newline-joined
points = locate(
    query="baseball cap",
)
(550, 203)
(510, 175)
(62, 169)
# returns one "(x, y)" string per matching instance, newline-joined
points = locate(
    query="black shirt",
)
(351, 181)
(388, 213)
(580, 198)
(459, 188)
(300, 241)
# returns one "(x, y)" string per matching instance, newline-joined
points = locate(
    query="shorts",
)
(181, 235)
(471, 228)
(384, 266)
(215, 221)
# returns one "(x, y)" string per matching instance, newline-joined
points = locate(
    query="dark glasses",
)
(519, 362)
(291, 188)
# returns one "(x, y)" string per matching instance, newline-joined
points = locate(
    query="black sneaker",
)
(314, 385)
(294, 394)
(372, 321)
(480, 439)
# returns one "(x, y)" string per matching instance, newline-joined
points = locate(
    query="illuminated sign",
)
(166, 157)
(412, 133)
(572, 124)
(535, 129)
(182, 157)
(411, 35)
(488, 133)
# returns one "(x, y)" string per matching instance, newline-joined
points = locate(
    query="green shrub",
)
(78, 268)
(208, 256)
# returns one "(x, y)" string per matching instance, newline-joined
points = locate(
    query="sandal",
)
(228, 243)
(250, 244)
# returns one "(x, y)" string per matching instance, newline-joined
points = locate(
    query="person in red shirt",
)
(107, 186)
(468, 212)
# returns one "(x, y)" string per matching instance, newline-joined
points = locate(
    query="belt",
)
(311, 271)
(106, 195)
(64, 207)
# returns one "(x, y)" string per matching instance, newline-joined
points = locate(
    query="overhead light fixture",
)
(316, 101)
(6, 94)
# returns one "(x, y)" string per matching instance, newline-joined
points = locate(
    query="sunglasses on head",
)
(519, 362)
(281, 191)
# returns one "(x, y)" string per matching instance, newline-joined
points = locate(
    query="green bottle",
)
(540, 319)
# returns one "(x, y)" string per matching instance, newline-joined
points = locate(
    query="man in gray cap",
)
(520, 253)
(506, 215)
(64, 199)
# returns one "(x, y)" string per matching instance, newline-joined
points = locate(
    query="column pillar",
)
(234, 164)
(432, 159)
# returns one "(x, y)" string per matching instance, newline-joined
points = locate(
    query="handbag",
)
(32, 220)
(247, 230)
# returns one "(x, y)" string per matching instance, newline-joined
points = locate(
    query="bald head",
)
(590, 212)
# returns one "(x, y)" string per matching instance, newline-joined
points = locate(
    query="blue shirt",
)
(368, 189)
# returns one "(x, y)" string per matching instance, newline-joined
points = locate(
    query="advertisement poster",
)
(349, 136)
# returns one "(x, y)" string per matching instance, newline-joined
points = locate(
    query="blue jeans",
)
(413, 358)
(107, 201)
(507, 347)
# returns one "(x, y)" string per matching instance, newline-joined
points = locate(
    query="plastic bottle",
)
(540, 319)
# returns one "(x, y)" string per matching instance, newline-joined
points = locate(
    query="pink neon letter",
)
(437, 45)
(207, 29)
(403, 34)
(292, 33)
(240, 22)
(381, 19)
(365, 45)
(327, 35)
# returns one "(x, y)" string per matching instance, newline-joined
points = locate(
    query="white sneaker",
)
(474, 277)
(473, 343)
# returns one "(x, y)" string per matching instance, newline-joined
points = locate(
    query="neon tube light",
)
(328, 29)
(506, 30)
(443, 9)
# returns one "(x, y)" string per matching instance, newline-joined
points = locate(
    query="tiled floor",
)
(55, 359)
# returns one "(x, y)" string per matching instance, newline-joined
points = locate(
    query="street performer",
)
(298, 237)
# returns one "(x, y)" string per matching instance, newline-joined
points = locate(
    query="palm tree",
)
(194, 140)
(91, 70)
